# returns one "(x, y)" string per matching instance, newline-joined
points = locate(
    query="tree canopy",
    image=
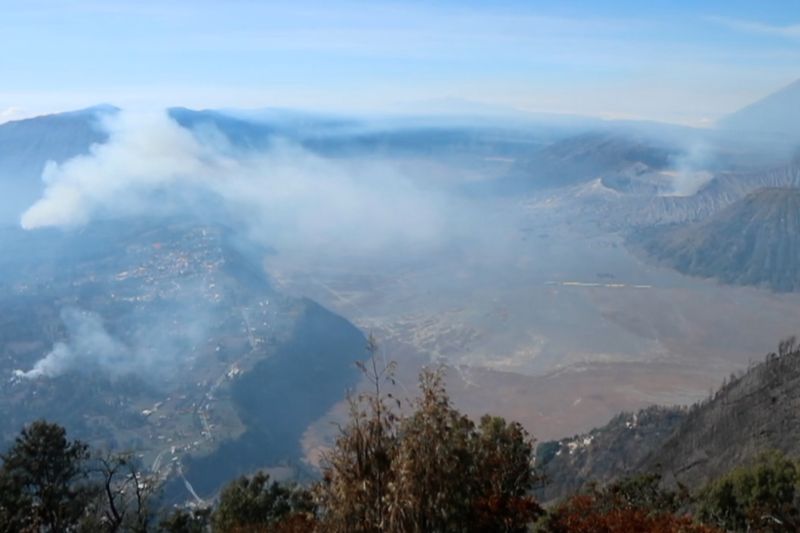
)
(43, 481)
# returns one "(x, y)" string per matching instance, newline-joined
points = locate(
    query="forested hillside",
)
(751, 414)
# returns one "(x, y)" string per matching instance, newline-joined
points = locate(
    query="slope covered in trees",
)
(604, 454)
(751, 414)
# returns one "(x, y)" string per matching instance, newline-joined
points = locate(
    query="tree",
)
(504, 454)
(358, 470)
(431, 470)
(760, 496)
(125, 492)
(435, 468)
(453, 476)
(44, 481)
(254, 504)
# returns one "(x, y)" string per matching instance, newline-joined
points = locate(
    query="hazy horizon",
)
(674, 62)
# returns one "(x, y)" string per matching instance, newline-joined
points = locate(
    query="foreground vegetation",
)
(395, 467)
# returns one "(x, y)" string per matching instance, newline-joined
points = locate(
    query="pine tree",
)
(44, 481)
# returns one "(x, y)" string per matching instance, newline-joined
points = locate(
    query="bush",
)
(632, 504)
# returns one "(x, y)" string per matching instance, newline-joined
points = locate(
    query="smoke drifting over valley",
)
(156, 342)
(151, 169)
(89, 343)
(226, 266)
(284, 195)
(558, 208)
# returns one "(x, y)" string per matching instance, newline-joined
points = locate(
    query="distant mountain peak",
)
(777, 114)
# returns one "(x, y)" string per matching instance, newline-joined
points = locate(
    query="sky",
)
(687, 62)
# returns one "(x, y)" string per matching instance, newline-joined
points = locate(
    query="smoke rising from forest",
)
(284, 195)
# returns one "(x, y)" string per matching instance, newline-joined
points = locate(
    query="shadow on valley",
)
(167, 338)
(279, 398)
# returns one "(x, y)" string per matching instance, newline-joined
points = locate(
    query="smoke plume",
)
(690, 172)
(284, 195)
(89, 343)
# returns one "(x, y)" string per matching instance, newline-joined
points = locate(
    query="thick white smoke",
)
(286, 195)
(89, 343)
(158, 345)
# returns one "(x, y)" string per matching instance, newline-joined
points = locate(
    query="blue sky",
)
(679, 61)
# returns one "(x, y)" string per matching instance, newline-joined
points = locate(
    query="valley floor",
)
(556, 323)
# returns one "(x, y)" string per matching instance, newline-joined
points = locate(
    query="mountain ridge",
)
(751, 413)
(753, 241)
